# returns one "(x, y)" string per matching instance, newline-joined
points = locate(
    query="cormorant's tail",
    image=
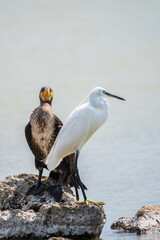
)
(67, 179)
(84, 186)
(65, 168)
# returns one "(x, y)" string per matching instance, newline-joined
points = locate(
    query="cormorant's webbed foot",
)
(36, 189)
(56, 192)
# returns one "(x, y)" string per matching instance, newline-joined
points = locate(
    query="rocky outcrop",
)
(146, 220)
(40, 217)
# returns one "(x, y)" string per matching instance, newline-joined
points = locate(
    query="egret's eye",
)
(104, 92)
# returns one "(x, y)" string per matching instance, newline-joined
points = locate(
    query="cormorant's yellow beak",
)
(47, 94)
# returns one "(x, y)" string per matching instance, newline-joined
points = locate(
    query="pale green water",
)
(74, 46)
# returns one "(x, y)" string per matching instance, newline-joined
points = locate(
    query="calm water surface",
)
(74, 46)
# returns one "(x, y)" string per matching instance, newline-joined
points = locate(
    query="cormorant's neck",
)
(42, 103)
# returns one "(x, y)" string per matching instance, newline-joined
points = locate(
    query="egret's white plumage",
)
(85, 119)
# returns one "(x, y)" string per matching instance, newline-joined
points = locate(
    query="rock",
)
(58, 238)
(40, 217)
(146, 220)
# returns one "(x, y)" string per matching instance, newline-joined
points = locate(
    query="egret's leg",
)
(75, 185)
(56, 191)
(76, 172)
(37, 188)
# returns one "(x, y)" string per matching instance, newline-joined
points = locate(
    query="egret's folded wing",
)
(71, 136)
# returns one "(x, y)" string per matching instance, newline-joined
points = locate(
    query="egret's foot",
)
(56, 192)
(99, 203)
(88, 201)
(36, 189)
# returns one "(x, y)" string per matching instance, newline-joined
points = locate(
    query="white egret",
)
(85, 119)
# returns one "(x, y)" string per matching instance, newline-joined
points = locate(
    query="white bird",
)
(84, 120)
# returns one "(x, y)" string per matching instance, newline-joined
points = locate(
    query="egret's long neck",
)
(102, 106)
(98, 102)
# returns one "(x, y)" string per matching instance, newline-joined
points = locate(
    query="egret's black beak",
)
(111, 95)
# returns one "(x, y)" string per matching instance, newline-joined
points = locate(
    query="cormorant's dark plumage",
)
(41, 132)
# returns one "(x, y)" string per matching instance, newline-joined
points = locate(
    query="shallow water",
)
(74, 46)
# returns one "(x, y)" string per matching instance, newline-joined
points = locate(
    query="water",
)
(74, 46)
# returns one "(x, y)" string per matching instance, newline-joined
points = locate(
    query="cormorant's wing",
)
(57, 126)
(28, 135)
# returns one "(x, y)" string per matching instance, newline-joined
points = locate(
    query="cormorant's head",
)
(46, 95)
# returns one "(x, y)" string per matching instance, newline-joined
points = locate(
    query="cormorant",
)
(41, 132)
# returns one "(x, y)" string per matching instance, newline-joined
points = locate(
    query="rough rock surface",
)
(40, 217)
(146, 220)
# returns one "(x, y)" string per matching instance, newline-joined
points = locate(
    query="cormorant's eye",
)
(42, 90)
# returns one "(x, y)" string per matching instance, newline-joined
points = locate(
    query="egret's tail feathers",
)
(48, 158)
(52, 162)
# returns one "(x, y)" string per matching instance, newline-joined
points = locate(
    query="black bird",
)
(41, 132)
